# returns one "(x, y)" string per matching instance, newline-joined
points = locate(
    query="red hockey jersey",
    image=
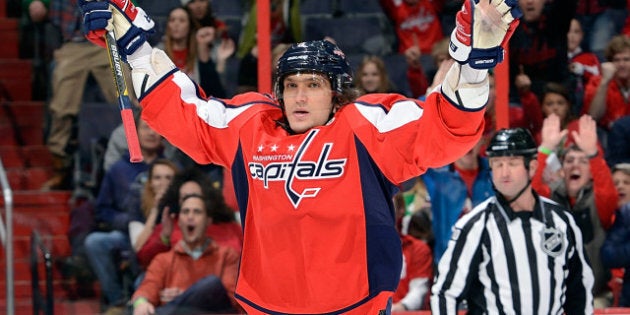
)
(318, 222)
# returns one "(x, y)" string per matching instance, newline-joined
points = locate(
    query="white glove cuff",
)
(466, 87)
(141, 58)
(457, 49)
(149, 69)
(472, 75)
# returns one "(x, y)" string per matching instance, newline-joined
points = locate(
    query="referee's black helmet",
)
(512, 142)
(319, 56)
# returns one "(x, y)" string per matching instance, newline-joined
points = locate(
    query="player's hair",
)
(320, 56)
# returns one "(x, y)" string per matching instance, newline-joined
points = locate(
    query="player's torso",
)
(304, 228)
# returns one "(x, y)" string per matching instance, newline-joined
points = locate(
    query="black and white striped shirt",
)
(506, 262)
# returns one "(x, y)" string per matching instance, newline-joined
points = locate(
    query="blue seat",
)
(351, 33)
(360, 6)
(231, 76)
(397, 69)
(228, 7)
(234, 27)
(355, 61)
(316, 7)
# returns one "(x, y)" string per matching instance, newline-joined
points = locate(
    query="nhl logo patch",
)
(552, 241)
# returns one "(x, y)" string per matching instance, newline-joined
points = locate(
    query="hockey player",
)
(315, 168)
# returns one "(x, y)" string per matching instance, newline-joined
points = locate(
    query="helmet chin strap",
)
(502, 198)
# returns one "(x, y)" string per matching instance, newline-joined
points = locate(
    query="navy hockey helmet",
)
(315, 56)
(512, 142)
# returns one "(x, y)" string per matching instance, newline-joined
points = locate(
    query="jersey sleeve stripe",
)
(213, 111)
(400, 114)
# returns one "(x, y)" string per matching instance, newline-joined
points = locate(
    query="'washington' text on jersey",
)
(298, 169)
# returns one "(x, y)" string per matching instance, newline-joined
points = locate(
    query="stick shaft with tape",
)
(124, 103)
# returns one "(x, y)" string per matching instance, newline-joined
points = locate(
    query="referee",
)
(517, 252)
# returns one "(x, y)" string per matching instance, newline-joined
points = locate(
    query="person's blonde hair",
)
(386, 84)
(616, 45)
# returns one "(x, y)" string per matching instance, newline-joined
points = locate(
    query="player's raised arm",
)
(131, 25)
(483, 28)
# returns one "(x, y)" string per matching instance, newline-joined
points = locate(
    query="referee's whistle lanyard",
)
(506, 203)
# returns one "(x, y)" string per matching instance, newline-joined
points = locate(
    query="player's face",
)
(161, 177)
(193, 221)
(575, 35)
(554, 103)
(622, 183)
(509, 174)
(307, 100)
(576, 170)
(370, 78)
(178, 25)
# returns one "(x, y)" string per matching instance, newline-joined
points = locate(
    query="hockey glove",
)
(130, 23)
(483, 29)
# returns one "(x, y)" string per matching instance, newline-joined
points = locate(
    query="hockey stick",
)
(124, 103)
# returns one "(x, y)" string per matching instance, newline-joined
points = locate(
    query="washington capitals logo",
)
(296, 168)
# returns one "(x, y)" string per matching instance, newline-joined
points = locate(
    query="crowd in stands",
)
(165, 222)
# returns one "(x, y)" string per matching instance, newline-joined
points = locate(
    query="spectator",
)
(285, 25)
(248, 69)
(111, 237)
(619, 137)
(582, 65)
(539, 45)
(372, 76)
(190, 50)
(418, 28)
(516, 252)
(417, 271)
(454, 190)
(439, 53)
(554, 100)
(203, 15)
(197, 276)
(159, 177)
(606, 97)
(585, 190)
(224, 230)
(615, 249)
(286, 28)
(38, 40)
(525, 114)
(75, 60)
(601, 20)
(158, 10)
